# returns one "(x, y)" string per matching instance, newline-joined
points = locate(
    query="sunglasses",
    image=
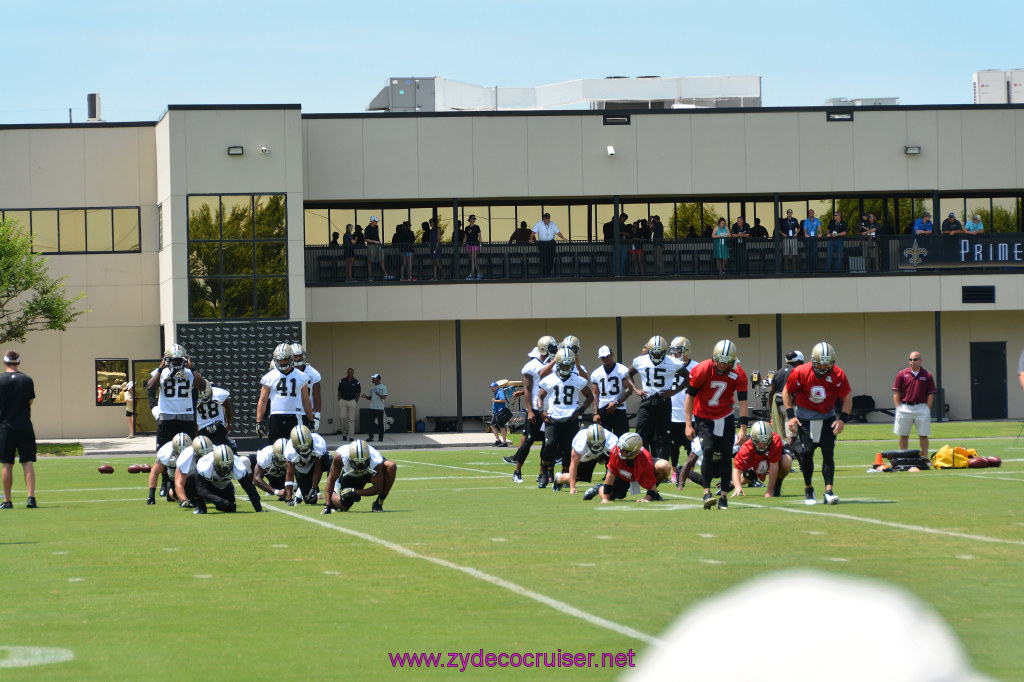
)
(914, 359)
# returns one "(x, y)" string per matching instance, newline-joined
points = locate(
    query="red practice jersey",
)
(640, 469)
(817, 393)
(715, 392)
(749, 458)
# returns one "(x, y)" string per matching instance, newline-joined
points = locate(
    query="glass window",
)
(24, 218)
(339, 218)
(111, 380)
(712, 212)
(947, 205)
(419, 216)
(272, 297)
(578, 228)
(236, 217)
(239, 298)
(501, 225)
(531, 213)
(822, 210)
(44, 231)
(203, 217)
(126, 230)
(72, 230)
(663, 211)
(99, 229)
(1004, 215)
(238, 258)
(203, 260)
(684, 221)
(271, 216)
(390, 219)
(271, 258)
(204, 298)
(317, 227)
(765, 212)
(559, 216)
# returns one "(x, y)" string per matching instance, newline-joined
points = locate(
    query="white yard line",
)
(555, 604)
(443, 466)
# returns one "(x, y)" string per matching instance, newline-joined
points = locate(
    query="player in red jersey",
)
(630, 462)
(761, 454)
(810, 397)
(710, 398)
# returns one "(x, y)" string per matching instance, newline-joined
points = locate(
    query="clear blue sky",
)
(334, 57)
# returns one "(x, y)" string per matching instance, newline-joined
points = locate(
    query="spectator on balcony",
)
(434, 235)
(740, 233)
(923, 225)
(758, 231)
(974, 225)
(348, 243)
(788, 233)
(473, 247)
(358, 239)
(544, 233)
(658, 243)
(521, 235)
(404, 239)
(869, 231)
(374, 250)
(836, 233)
(720, 247)
(951, 226)
(811, 227)
(641, 235)
(334, 239)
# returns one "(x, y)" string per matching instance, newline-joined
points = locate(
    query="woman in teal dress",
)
(720, 250)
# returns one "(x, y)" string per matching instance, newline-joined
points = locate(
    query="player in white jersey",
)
(299, 358)
(559, 397)
(590, 447)
(353, 467)
(284, 397)
(184, 483)
(213, 414)
(680, 349)
(306, 454)
(657, 371)
(176, 379)
(167, 461)
(611, 390)
(269, 467)
(215, 474)
(533, 427)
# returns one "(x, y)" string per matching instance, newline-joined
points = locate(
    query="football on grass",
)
(977, 462)
(105, 469)
(994, 461)
(145, 468)
(134, 469)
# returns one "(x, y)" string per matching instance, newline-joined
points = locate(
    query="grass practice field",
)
(465, 561)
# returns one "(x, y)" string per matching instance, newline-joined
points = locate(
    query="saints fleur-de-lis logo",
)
(915, 254)
(388, 421)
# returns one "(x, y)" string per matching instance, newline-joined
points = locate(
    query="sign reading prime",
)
(1004, 250)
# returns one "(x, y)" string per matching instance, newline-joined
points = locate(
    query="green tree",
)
(688, 216)
(30, 300)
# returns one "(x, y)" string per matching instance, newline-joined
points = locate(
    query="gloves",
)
(291, 502)
(348, 497)
(186, 504)
(316, 421)
(311, 497)
(156, 413)
(261, 430)
(326, 510)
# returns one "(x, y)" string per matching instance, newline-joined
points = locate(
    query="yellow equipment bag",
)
(952, 458)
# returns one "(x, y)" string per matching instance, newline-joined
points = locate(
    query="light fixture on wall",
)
(732, 319)
(235, 151)
(611, 150)
(912, 149)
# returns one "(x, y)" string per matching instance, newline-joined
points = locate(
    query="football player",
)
(713, 383)
(533, 427)
(680, 349)
(306, 454)
(763, 453)
(175, 380)
(269, 467)
(299, 358)
(559, 398)
(658, 371)
(810, 396)
(184, 480)
(590, 447)
(353, 467)
(286, 391)
(612, 390)
(167, 461)
(213, 414)
(630, 462)
(214, 475)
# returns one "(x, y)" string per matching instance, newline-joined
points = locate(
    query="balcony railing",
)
(686, 258)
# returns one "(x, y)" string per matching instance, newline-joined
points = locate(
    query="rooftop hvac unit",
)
(989, 87)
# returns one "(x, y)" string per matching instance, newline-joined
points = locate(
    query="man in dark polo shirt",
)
(16, 434)
(349, 389)
(913, 393)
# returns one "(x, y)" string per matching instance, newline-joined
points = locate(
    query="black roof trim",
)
(229, 107)
(96, 124)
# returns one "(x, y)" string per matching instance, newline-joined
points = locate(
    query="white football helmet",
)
(284, 359)
(223, 460)
(298, 355)
(630, 445)
(302, 440)
(277, 456)
(680, 347)
(761, 435)
(656, 348)
(359, 455)
(202, 446)
(565, 362)
(596, 435)
(176, 355)
(572, 343)
(547, 345)
(724, 356)
(823, 358)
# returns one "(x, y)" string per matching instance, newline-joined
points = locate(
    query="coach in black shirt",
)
(16, 395)
(349, 389)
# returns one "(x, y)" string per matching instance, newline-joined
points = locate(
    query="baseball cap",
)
(603, 352)
(375, 376)
(493, 384)
(373, 219)
(952, 215)
(794, 356)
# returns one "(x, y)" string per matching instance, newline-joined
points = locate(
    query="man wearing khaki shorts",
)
(794, 358)
(913, 393)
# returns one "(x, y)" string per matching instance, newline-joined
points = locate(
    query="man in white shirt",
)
(377, 395)
(545, 233)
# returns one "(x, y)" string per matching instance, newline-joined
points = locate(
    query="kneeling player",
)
(167, 461)
(630, 462)
(353, 467)
(762, 453)
(214, 474)
(307, 458)
(590, 447)
(269, 467)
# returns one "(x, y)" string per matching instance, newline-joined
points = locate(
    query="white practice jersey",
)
(208, 414)
(679, 399)
(305, 464)
(533, 368)
(205, 468)
(609, 383)
(186, 462)
(165, 455)
(579, 444)
(655, 378)
(285, 391)
(376, 459)
(265, 461)
(175, 391)
(310, 371)
(563, 397)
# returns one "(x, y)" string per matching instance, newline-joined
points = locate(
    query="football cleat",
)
(761, 434)
(809, 496)
(202, 446)
(302, 440)
(723, 503)
(547, 345)
(186, 504)
(517, 477)
(31, 503)
(509, 459)
(311, 496)
(542, 482)
(592, 492)
(630, 445)
(377, 506)
(223, 460)
(283, 359)
(556, 487)
(777, 492)
(655, 496)
(198, 511)
(823, 358)
(831, 497)
(565, 362)
(709, 501)
(724, 356)
(680, 347)
(656, 348)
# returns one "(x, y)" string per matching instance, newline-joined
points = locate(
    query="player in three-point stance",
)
(354, 467)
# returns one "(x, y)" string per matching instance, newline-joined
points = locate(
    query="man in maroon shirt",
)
(913, 393)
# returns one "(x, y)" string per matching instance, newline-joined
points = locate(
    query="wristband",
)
(844, 416)
(790, 413)
(289, 484)
(744, 421)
